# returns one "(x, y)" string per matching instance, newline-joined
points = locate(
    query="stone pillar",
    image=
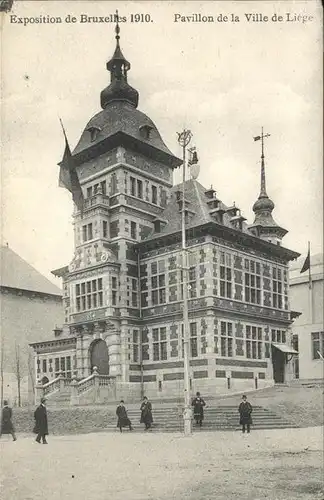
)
(113, 343)
(74, 399)
(96, 384)
(124, 350)
(39, 393)
(61, 381)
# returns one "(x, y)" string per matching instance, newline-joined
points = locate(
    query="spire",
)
(264, 223)
(263, 191)
(263, 202)
(118, 66)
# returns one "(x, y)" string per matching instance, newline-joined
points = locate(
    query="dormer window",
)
(94, 131)
(146, 131)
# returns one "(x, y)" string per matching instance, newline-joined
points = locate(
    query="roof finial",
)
(118, 66)
(117, 28)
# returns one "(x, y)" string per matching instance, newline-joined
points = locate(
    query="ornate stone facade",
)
(124, 286)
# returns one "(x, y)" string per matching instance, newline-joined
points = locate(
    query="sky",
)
(222, 80)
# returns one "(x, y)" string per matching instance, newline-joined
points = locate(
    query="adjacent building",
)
(308, 333)
(31, 307)
(123, 291)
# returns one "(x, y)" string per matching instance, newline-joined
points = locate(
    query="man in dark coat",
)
(146, 414)
(6, 422)
(41, 428)
(123, 420)
(198, 403)
(245, 410)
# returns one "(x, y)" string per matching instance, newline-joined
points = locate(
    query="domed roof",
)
(121, 116)
(263, 203)
(119, 90)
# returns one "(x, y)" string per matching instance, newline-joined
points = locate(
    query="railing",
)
(105, 380)
(96, 199)
(52, 386)
(84, 384)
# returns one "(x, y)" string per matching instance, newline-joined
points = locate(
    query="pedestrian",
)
(41, 427)
(146, 414)
(198, 403)
(245, 410)
(123, 420)
(6, 422)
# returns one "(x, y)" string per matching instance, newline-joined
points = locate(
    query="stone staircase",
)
(84, 419)
(59, 399)
(224, 418)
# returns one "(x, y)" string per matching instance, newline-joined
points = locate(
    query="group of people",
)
(146, 415)
(198, 404)
(245, 411)
(40, 427)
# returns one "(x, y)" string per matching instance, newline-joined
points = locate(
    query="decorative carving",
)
(120, 155)
(247, 308)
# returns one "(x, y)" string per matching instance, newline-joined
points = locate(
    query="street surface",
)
(273, 464)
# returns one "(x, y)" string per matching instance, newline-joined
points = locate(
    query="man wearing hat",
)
(6, 422)
(41, 428)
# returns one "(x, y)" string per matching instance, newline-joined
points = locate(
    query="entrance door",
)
(99, 357)
(278, 363)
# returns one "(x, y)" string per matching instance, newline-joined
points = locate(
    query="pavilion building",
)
(123, 291)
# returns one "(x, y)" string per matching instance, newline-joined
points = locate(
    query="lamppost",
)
(184, 139)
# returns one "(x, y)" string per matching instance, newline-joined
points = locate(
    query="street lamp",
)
(184, 139)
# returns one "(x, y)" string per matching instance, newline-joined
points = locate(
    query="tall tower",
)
(264, 226)
(125, 171)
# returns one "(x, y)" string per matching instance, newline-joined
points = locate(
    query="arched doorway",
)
(99, 357)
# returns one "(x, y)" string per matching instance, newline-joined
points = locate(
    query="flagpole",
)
(310, 289)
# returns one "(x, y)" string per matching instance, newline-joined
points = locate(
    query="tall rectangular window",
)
(158, 293)
(114, 290)
(133, 186)
(192, 282)
(154, 195)
(193, 340)
(317, 345)
(278, 336)
(89, 295)
(277, 288)
(103, 186)
(87, 232)
(104, 229)
(145, 345)
(113, 183)
(226, 339)
(89, 192)
(133, 230)
(253, 342)
(68, 373)
(135, 353)
(226, 275)
(252, 277)
(44, 365)
(139, 189)
(134, 292)
(159, 338)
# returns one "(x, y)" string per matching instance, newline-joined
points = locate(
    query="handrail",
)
(52, 385)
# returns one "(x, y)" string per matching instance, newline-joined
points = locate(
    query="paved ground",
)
(274, 465)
